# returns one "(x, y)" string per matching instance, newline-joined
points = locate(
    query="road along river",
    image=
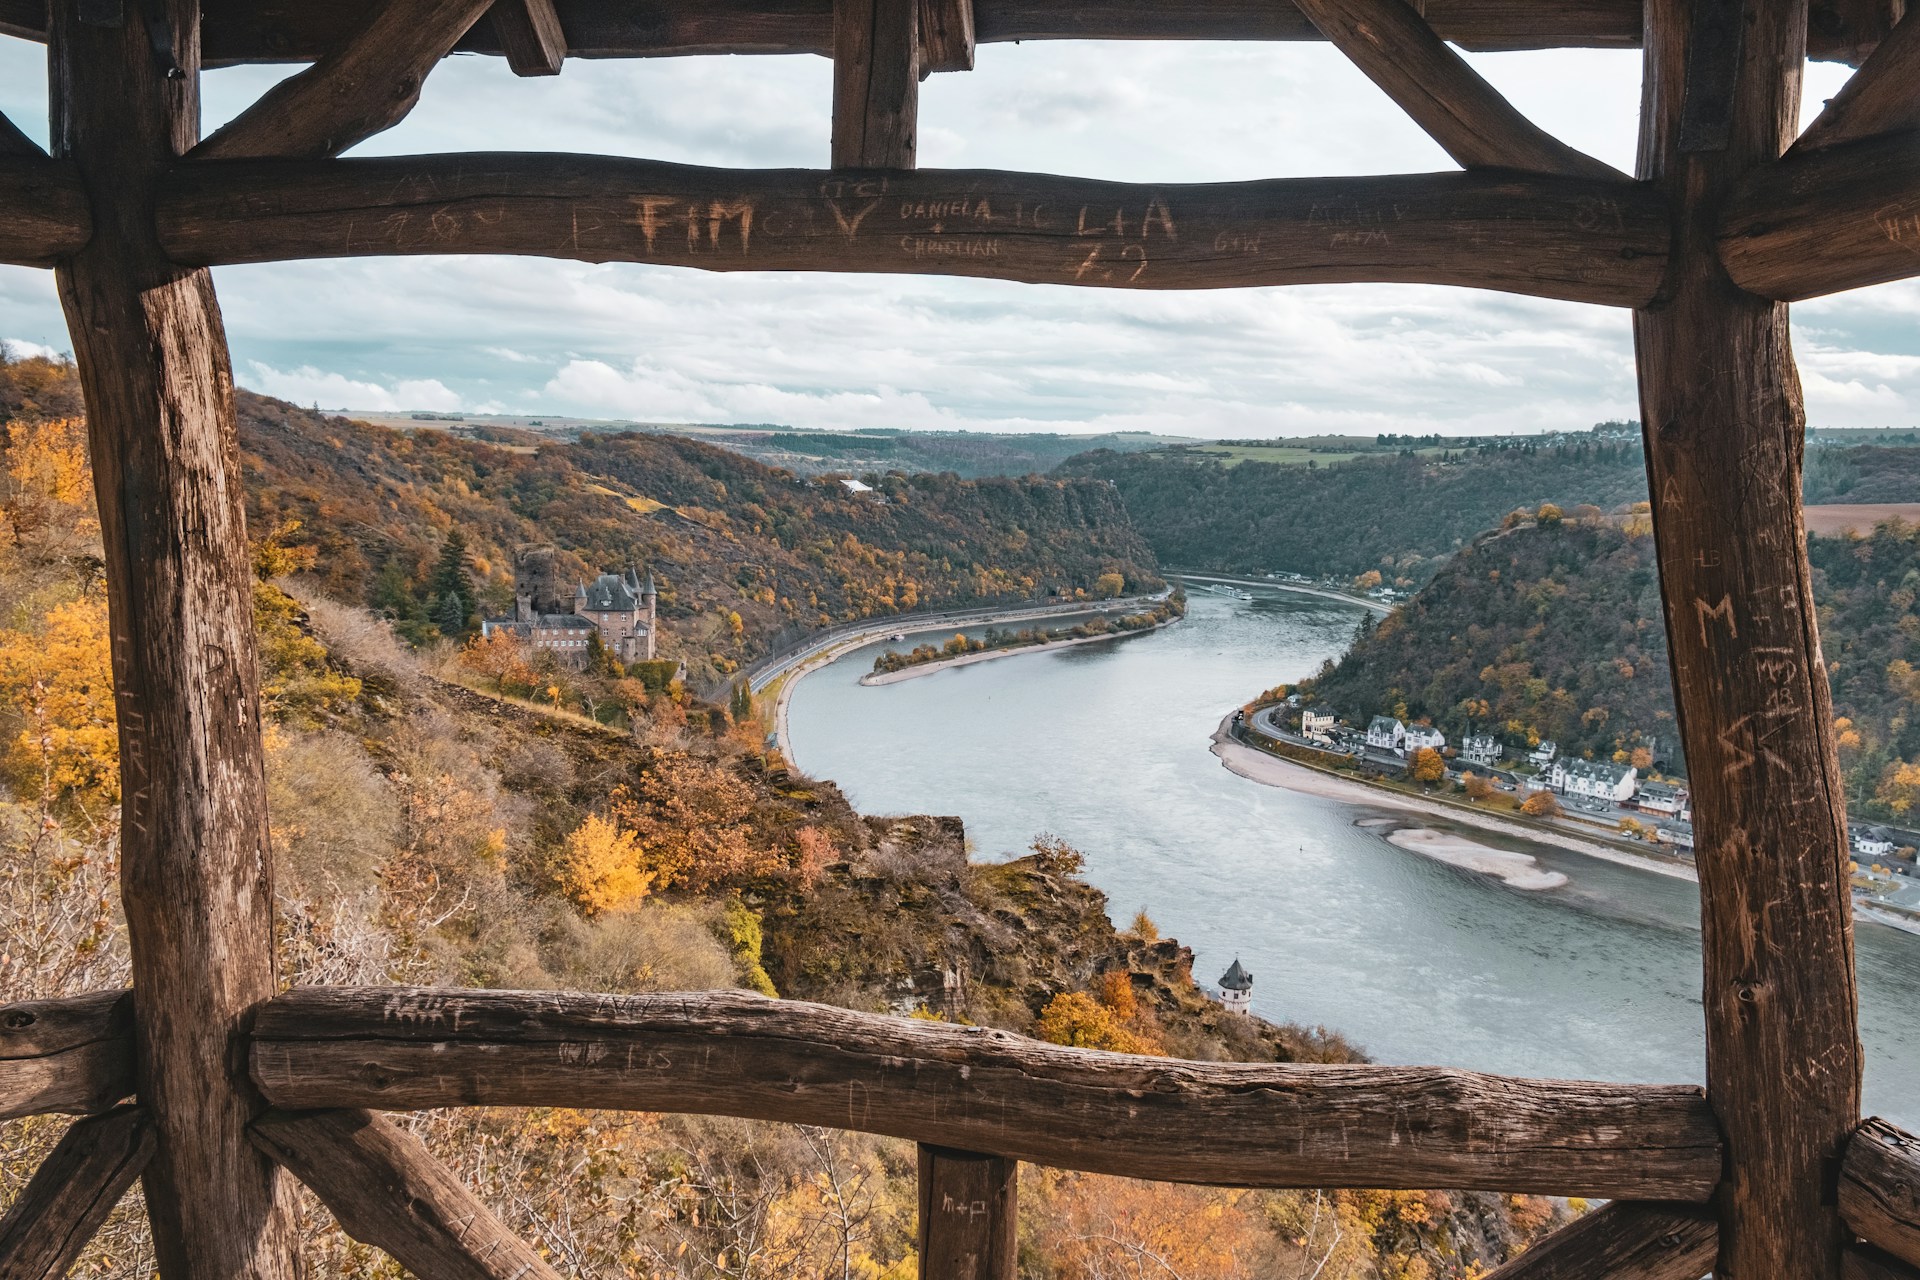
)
(1347, 915)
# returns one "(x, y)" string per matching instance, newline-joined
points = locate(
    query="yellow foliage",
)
(1899, 786)
(59, 681)
(1428, 765)
(1541, 804)
(1077, 1020)
(46, 492)
(600, 867)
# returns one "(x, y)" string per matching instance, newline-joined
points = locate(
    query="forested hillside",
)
(1398, 515)
(1552, 629)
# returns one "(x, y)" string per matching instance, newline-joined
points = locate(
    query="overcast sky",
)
(665, 344)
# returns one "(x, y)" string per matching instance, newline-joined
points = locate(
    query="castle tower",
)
(649, 604)
(1236, 989)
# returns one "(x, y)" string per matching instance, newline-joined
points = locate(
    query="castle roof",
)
(1236, 978)
(610, 593)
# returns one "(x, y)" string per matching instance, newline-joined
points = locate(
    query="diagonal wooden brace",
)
(1627, 1240)
(72, 1193)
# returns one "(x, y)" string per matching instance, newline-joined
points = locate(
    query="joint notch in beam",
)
(530, 35)
(946, 36)
(876, 83)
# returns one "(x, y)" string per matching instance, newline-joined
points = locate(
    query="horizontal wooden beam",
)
(984, 1091)
(43, 211)
(386, 1189)
(303, 30)
(1552, 237)
(71, 1056)
(1880, 1189)
(366, 84)
(1393, 44)
(1825, 220)
(1863, 1262)
(72, 1192)
(1626, 1240)
(1879, 98)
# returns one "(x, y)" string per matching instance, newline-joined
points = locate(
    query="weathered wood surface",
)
(1835, 218)
(386, 1189)
(71, 1194)
(876, 83)
(530, 35)
(367, 84)
(1880, 1189)
(195, 884)
(1626, 1240)
(303, 30)
(946, 36)
(969, 1216)
(43, 211)
(15, 143)
(1472, 122)
(727, 1053)
(1863, 1262)
(1553, 237)
(73, 1055)
(1725, 432)
(1878, 98)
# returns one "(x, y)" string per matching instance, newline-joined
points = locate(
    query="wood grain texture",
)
(1863, 1262)
(1626, 1240)
(43, 211)
(364, 86)
(195, 881)
(530, 35)
(946, 36)
(1818, 222)
(968, 1228)
(73, 1055)
(1552, 237)
(1878, 98)
(1725, 432)
(876, 83)
(1472, 122)
(303, 30)
(387, 1190)
(1880, 1189)
(728, 1053)
(71, 1194)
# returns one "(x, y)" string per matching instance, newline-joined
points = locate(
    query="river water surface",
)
(1106, 745)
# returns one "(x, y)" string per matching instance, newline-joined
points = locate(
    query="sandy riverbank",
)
(967, 659)
(1520, 870)
(1258, 766)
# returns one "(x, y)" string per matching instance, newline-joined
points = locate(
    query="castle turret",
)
(1236, 988)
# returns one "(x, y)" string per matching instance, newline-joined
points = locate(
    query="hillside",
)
(1554, 631)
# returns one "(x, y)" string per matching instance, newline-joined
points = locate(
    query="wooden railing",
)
(976, 1100)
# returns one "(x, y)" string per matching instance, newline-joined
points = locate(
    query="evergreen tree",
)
(451, 615)
(451, 577)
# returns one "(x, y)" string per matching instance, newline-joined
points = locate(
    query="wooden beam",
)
(946, 36)
(876, 83)
(729, 1053)
(71, 1194)
(1472, 122)
(1849, 30)
(530, 35)
(1725, 431)
(43, 211)
(387, 1190)
(1878, 98)
(1862, 1262)
(1880, 1189)
(1818, 222)
(969, 1216)
(73, 1055)
(15, 143)
(365, 86)
(195, 882)
(304, 30)
(1552, 237)
(1626, 1240)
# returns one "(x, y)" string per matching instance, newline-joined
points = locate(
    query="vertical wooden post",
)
(1725, 430)
(969, 1215)
(876, 83)
(159, 391)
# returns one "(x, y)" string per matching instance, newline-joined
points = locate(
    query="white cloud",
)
(21, 349)
(310, 385)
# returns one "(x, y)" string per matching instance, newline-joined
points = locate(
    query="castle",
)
(620, 607)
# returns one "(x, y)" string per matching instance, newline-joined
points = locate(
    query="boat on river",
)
(1222, 589)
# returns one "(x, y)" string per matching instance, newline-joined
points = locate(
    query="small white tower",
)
(1236, 989)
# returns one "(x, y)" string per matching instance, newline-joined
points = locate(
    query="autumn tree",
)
(1540, 804)
(1076, 1019)
(1548, 516)
(57, 681)
(1477, 787)
(46, 488)
(1367, 581)
(1109, 585)
(600, 867)
(1428, 766)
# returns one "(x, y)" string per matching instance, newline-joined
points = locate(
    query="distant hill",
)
(968, 454)
(1556, 632)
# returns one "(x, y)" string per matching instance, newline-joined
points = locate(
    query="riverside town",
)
(959, 640)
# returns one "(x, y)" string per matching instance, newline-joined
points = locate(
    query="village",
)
(1542, 782)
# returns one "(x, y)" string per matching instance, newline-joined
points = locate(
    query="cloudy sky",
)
(664, 344)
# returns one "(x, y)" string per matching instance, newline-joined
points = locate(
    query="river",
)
(1106, 746)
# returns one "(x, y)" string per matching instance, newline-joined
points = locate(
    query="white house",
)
(1541, 756)
(1871, 842)
(1595, 779)
(1660, 797)
(1386, 734)
(1236, 988)
(1424, 735)
(1316, 724)
(1481, 748)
